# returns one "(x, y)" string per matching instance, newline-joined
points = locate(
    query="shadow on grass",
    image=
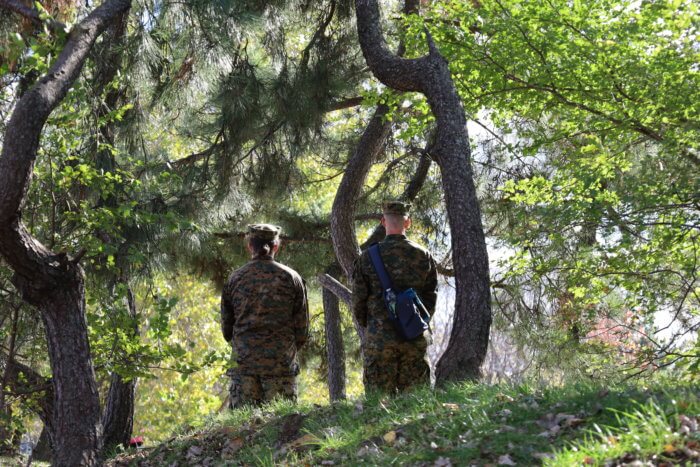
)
(462, 424)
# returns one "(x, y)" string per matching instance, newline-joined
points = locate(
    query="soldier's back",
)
(263, 294)
(409, 265)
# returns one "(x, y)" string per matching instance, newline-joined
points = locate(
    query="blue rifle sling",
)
(406, 311)
(388, 293)
(379, 267)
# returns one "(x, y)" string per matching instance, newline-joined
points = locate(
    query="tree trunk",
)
(343, 211)
(54, 282)
(118, 416)
(43, 451)
(430, 75)
(335, 348)
(366, 152)
(76, 413)
(5, 410)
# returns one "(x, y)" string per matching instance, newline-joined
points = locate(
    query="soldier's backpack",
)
(406, 311)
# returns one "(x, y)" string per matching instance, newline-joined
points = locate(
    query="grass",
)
(462, 424)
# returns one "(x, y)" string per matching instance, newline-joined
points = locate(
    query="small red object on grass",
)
(136, 441)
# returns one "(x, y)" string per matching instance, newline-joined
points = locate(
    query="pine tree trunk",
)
(76, 408)
(335, 348)
(366, 152)
(54, 282)
(118, 416)
(430, 75)
(42, 451)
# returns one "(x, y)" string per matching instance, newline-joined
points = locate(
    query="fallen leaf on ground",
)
(506, 460)
(390, 437)
(305, 440)
(504, 397)
(451, 406)
(193, 452)
(232, 447)
(365, 450)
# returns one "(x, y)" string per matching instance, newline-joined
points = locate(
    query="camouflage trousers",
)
(391, 365)
(247, 389)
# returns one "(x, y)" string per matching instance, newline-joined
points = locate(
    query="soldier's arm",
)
(301, 315)
(428, 293)
(227, 316)
(360, 293)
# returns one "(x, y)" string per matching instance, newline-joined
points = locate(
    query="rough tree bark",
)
(54, 282)
(430, 75)
(342, 218)
(335, 348)
(118, 415)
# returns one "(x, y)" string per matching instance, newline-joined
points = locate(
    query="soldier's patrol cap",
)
(396, 207)
(263, 231)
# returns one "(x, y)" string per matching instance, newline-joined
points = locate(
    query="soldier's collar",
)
(395, 237)
(263, 258)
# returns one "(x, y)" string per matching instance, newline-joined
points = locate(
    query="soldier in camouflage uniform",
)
(391, 364)
(265, 317)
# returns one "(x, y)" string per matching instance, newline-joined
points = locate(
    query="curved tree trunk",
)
(430, 75)
(335, 348)
(342, 219)
(366, 152)
(54, 282)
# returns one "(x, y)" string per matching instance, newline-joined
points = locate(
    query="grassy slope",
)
(460, 425)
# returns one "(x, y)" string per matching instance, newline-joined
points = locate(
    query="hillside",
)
(465, 424)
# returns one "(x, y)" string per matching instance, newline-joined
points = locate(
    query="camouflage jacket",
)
(265, 314)
(409, 265)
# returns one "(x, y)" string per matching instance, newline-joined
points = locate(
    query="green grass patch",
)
(461, 424)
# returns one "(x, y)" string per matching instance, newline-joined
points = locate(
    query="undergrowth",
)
(462, 424)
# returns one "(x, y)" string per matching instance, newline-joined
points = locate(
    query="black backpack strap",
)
(379, 267)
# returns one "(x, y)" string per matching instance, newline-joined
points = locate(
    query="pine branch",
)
(31, 14)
